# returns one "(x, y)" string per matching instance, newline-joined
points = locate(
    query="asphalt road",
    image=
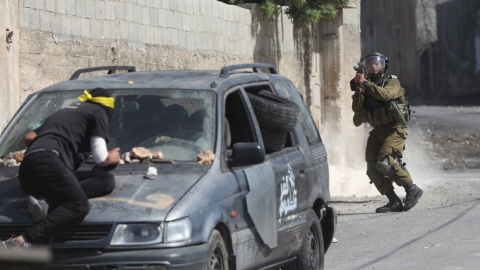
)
(452, 116)
(439, 235)
(442, 231)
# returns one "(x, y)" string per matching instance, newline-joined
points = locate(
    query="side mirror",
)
(246, 153)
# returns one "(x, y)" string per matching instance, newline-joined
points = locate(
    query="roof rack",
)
(225, 72)
(111, 70)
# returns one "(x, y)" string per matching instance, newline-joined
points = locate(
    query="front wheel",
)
(218, 258)
(312, 255)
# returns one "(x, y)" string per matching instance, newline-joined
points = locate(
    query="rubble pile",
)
(140, 154)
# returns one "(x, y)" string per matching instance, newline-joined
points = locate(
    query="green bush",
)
(301, 12)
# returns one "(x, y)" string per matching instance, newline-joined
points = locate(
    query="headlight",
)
(137, 234)
(178, 230)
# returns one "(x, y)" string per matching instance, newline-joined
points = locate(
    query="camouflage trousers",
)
(392, 142)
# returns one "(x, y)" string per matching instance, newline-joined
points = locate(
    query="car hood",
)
(135, 197)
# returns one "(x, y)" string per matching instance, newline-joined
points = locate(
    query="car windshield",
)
(179, 123)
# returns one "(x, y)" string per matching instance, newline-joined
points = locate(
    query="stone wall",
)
(56, 37)
(53, 38)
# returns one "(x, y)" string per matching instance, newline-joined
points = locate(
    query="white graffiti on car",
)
(288, 193)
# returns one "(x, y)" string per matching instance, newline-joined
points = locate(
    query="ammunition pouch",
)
(391, 112)
(397, 110)
(379, 116)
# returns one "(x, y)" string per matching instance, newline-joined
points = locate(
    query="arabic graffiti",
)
(288, 193)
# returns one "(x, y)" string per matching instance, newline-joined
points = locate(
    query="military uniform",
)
(382, 103)
(387, 137)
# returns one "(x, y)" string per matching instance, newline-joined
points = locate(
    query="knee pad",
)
(373, 174)
(383, 166)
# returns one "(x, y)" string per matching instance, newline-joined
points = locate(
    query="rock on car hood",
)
(134, 198)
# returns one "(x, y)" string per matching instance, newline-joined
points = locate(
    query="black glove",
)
(353, 87)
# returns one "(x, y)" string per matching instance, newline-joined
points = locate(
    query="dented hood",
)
(135, 198)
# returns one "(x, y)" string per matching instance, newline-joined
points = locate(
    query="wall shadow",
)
(453, 61)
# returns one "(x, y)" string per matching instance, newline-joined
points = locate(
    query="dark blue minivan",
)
(241, 183)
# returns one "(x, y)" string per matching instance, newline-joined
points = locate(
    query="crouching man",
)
(58, 195)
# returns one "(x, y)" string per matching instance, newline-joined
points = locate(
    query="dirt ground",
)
(442, 155)
(452, 141)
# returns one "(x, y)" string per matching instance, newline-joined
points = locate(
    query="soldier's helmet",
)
(377, 59)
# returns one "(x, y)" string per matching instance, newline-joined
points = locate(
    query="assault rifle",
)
(359, 69)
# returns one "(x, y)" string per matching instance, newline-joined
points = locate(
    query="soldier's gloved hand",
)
(162, 139)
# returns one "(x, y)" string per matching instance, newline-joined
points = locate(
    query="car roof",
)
(210, 80)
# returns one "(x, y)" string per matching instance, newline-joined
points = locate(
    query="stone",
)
(206, 157)
(141, 153)
(18, 156)
(125, 157)
(157, 155)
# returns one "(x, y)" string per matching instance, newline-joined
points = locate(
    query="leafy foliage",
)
(301, 12)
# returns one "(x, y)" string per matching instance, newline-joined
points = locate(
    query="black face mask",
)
(100, 92)
(109, 111)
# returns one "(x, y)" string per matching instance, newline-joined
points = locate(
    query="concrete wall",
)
(456, 53)
(340, 51)
(389, 27)
(434, 46)
(9, 59)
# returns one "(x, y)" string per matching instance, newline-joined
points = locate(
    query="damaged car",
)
(221, 169)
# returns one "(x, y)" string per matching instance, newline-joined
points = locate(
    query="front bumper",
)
(191, 257)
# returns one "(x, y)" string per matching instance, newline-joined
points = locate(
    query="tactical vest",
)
(382, 113)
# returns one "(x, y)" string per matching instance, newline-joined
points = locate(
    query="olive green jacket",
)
(391, 90)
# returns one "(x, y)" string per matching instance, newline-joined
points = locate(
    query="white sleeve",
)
(99, 149)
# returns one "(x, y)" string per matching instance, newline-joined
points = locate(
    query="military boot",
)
(413, 195)
(394, 204)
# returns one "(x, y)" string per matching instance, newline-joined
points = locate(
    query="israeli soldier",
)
(380, 100)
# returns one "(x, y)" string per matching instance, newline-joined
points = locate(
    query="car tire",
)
(273, 140)
(274, 112)
(276, 117)
(218, 256)
(312, 255)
